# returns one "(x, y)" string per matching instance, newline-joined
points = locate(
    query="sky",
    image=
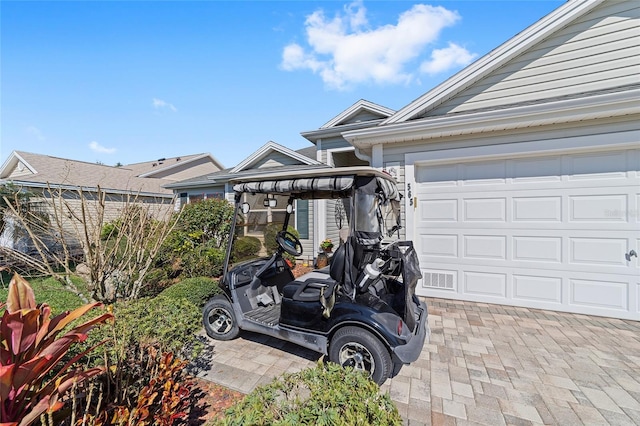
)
(120, 82)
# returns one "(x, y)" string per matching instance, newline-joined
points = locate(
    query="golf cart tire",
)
(358, 348)
(218, 319)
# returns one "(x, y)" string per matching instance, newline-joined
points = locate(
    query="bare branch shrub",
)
(116, 236)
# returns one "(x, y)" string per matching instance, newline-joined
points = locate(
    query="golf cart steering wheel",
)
(289, 243)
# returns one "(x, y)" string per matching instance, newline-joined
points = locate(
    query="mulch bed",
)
(213, 400)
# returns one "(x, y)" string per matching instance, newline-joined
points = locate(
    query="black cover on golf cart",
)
(368, 188)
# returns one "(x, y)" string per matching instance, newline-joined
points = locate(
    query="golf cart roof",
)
(318, 184)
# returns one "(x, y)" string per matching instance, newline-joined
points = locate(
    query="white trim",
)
(377, 156)
(554, 21)
(330, 153)
(12, 161)
(272, 146)
(593, 107)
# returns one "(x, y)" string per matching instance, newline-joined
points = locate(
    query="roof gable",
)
(361, 111)
(495, 59)
(278, 154)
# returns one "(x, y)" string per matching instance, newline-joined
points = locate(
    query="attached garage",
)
(552, 231)
(521, 173)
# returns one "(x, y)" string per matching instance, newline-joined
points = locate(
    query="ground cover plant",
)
(325, 395)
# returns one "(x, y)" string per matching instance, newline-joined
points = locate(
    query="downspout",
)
(375, 159)
(362, 156)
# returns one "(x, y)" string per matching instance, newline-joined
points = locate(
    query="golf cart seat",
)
(318, 286)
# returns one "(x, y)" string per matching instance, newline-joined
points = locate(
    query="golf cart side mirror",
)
(245, 208)
(289, 208)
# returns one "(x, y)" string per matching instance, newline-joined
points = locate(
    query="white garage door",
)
(545, 232)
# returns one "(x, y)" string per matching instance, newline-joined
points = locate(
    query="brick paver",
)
(484, 365)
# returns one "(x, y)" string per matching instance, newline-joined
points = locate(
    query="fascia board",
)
(272, 146)
(579, 109)
(314, 135)
(495, 59)
(28, 184)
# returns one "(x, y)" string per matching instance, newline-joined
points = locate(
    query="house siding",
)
(596, 52)
(275, 159)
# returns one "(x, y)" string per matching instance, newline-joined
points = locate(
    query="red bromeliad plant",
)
(32, 376)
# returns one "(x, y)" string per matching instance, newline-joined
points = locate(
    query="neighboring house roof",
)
(562, 69)
(39, 171)
(267, 159)
(362, 114)
(163, 166)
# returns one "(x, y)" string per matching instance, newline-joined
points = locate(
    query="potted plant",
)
(326, 245)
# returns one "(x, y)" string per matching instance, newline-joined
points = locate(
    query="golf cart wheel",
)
(357, 348)
(219, 320)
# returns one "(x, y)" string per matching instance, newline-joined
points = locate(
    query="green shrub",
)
(245, 247)
(169, 324)
(326, 394)
(270, 232)
(198, 240)
(196, 290)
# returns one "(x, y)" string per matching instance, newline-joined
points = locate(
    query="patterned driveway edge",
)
(484, 365)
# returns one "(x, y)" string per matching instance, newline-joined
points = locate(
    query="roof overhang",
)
(493, 60)
(39, 185)
(592, 107)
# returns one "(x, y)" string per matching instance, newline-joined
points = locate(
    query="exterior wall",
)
(331, 144)
(68, 212)
(597, 52)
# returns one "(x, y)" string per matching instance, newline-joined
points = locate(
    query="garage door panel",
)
(599, 208)
(599, 294)
(537, 209)
(537, 288)
(599, 166)
(438, 245)
(600, 251)
(434, 210)
(485, 209)
(535, 170)
(485, 283)
(548, 232)
(485, 247)
(531, 248)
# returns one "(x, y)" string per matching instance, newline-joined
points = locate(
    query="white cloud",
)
(34, 131)
(96, 147)
(344, 51)
(160, 104)
(447, 58)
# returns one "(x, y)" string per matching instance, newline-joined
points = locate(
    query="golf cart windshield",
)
(374, 194)
(367, 201)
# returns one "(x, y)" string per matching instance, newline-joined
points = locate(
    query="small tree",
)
(117, 262)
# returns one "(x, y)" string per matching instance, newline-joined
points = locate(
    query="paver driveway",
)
(485, 364)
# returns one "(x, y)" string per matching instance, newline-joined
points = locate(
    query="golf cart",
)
(361, 310)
